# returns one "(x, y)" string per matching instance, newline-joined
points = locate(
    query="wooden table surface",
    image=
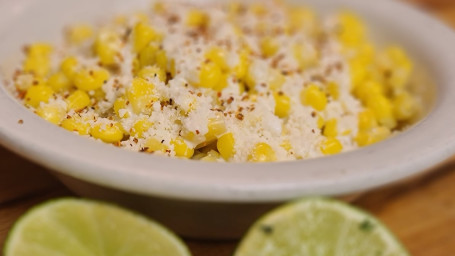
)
(421, 213)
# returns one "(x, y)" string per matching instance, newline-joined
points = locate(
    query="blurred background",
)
(420, 212)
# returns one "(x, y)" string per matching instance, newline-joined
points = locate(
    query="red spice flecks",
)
(20, 121)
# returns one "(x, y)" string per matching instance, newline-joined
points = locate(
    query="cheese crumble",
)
(237, 82)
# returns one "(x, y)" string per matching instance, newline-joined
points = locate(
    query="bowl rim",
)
(406, 154)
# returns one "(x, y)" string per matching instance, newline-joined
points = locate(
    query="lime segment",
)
(319, 227)
(75, 227)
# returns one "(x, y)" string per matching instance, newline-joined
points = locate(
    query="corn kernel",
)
(37, 94)
(109, 133)
(89, 80)
(286, 145)
(212, 156)
(51, 113)
(320, 122)
(333, 90)
(147, 56)
(197, 18)
(210, 75)
(268, 47)
(36, 63)
(120, 103)
(383, 110)
(331, 146)
(182, 149)
(39, 50)
(78, 100)
(276, 80)
(140, 127)
(282, 104)
(301, 18)
(143, 34)
(80, 33)
(59, 82)
(225, 146)
(216, 127)
(404, 106)
(69, 67)
(368, 89)
(395, 60)
(262, 152)
(367, 120)
(330, 128)
(358, 73)
(314, 97)
(107, 46)
(305, 55)
(140, 95)
(161, 59)
(154, 145)
(152, 71)
(258, 9)
(217, 56)
(377, 134)
(159, 7)
(352, 30)
(75, 124)
(241, 69)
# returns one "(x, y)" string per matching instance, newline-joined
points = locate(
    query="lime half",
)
(319, 227)
(75, 227)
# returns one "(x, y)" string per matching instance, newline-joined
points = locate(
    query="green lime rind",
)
(319, 227)
(80, 227)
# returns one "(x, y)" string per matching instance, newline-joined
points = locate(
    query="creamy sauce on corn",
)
(259, 81)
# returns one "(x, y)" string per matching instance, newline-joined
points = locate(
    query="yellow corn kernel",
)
(109, 133)
(216, 127)
(377, 134)
(78, 100)
(39, 50)
(331, 146)
(262, 152)
(352, 30)
(282, 104)
(152, 71)
(147, 56)
(143, 34)
(37, 94)
(75, 124)
(159, 7)
(258, 9)
(182, 149)
(89, 80)
(346, 133)
(51, 113)
(40, 66)
(140, 127)
(368, 89)
(404, 106)
(276, 80)
(59, 82)
(210, 75)
(268, 47)
(395, 60)
(80, 33)
(217, 56)
(212, 156)
(120, 103)
(225, 146)
(140, 95)
(197, 18)
(314, 97)
(107, 46)
(305, 55)
(69, 67)
(241, 69)
(367, 120)
(333, 90)
(161, 59)
(383, 110)
(301, 18)
(320, 122)
(286, 145)
(153, 145)
(330, 128)
(358, 73)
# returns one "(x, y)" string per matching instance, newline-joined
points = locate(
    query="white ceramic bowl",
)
(217, 200)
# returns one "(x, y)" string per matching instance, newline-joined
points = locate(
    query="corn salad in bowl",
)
(235, 82)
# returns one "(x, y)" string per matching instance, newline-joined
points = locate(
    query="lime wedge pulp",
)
(319, 227)
(77, 227)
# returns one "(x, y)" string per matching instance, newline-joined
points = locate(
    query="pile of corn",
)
(110, 82)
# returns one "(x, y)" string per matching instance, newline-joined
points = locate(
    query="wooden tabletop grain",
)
(421, 213)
